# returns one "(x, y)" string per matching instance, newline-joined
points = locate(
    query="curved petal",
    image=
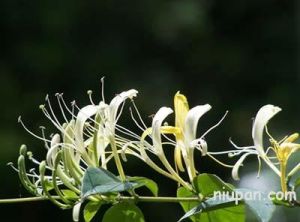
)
(156, 127)
(76, 211)
(235, 169)
(84, 114)
(54, 145)
(262, 118)
(118, 100)
(191, 122)
(201, 145)
(181, 107)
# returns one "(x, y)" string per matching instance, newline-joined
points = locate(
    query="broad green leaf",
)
(101, 181)
(143, 181)
(213, 209)
(207, 184)
(183, 192)
(210, 207)
(123, 212)
(258, 202)
(297, 183)
(90, 210)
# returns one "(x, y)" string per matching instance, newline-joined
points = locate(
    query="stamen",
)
(216, 125)
(102, 89)
(30, 132)
(139, 115)
(58, 97)
(134, 120)
(67, 108)
(43, 135)
(59, 127)
(127, 132)
(166, 137)
(120, 112)
(240, 147)
(267, 131)
(90, 92)
(11, 164)
(52, 112)
(219, 162)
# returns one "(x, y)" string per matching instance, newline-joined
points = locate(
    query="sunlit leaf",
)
(297, 183)
(143, 181)
(187, 206)
(212, 209)
(207, 184)
(69, 194)
(123, 212)
(90, 210)
(215, 210)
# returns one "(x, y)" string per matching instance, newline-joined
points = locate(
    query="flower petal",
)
(84, 114)
(118, 100)
(235, 169)
(181, 107)
(201, 145)
(53, 150)
(156, 127)
(76, 212)
(262, 118)
(191, 122)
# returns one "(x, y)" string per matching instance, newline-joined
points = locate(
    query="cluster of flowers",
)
(92, 136)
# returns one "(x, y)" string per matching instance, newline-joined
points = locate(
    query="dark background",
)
(235, 55)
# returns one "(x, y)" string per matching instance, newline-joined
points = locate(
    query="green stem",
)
(117, 158)
(160, 199)
(25, 199)
(121, 198)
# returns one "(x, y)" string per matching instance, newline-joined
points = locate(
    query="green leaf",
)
(49, 185)
(206, 184)
(123, 212)
(212, 209)
(90, 210)
(69, 194)
(258, 202)
(183, 192)
(297, 183)
(143, 181)
(101, 181)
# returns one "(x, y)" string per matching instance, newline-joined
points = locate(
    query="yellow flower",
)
(282, 149)
(186, 121)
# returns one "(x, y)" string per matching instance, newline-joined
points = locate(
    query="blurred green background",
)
(235, 55)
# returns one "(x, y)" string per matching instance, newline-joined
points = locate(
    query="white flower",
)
(82, 141)
(184, 131)
(282, 149)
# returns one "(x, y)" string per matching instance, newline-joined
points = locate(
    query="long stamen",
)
(90, 92)
(30, 132)
(102, 89)
(61, 108)
(135, 121)
(214, 126)
(139, 115)
(43, 135)
(52, 112)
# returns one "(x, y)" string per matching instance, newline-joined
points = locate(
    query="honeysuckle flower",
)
(184, 131)
(282, 149)
(83, 140)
